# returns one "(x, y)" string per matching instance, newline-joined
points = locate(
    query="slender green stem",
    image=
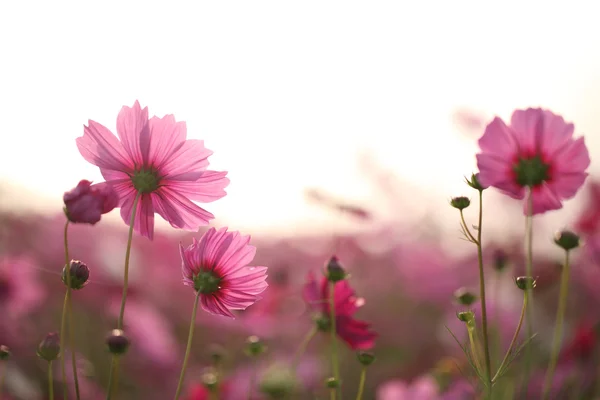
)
(334, 356)
(332, 394)
(189, 347)
(302, 347)
(2, 375)
(484, 321)
(466, 228)
(361, 384)
(474, 349)
(50, 381)
(558, 328)
(73, 355)
(114, 367)
(64, 312)
(529, 272)
(514, 339)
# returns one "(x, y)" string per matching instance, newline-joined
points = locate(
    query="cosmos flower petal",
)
(543, 200)
(498, 138)
(567, 185)
(166, 137)
(187, 162)
(178, 210)
(556, 133)
(100, 147)
(355, 333)
(492, 169)
(144, 217)
(213, 305)
(572, 157)
(210, 186)
(527, 126)
(132, 128)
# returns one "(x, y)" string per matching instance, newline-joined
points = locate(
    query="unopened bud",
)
(117, 342)
(80, 273)
(322, 321)
(525, 282)
(210, 380)
(464, 297)
(567, 240)
(474, 182)
(4, 353)
(49, 348)
(500, 260)
(334, 270)
(466, 316)
(254, 346)
(332, 383)
(365, 358)
(460, 203)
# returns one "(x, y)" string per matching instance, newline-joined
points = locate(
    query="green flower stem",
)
(114, 367)
(50, 382)
(484, 321)
(529, 272)
(189, 346)
(2, 375)
(302, 348)
(474, 349)
(361, 384)
(334, 356)
(514, 339)
(332, 394)
(558, 328)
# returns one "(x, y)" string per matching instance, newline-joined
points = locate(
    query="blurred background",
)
(345, 128)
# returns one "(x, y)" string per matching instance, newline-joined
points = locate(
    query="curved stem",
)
(514, 339)
(63, 322)
(558, 327)
(361, 384)
(189, 346)
(474, 349)
(484, 322)
(529, 272)
(466, 228)
(334, 357)
(114, 367)
(302, 347)
(50, 382)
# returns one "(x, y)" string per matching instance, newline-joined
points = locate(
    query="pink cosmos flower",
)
(537, 150)
(216, 266)
(589, 218)
(354, 332)
(154, 158)
(86, 203)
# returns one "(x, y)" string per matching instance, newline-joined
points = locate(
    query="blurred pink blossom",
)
(86, 203)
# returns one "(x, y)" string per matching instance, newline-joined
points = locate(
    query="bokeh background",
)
(345, 128)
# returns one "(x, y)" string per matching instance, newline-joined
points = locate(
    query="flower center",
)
(206, 282)
(531, 171)
(145, 181)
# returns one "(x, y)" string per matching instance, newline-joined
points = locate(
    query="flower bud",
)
(4, 353)
(460, 202)
(334, 270)
(86, 203)
(217, 353)
(49, 348)
(332, 383)
(117, 342)
(464, 297)
(474, 182)
(210, 379)
(466, 316)
(365, 358)
(80, 273)
(254, 346)
(567, 240)
(525, 282)
(322, 321)
(500, 260)
(278, 382)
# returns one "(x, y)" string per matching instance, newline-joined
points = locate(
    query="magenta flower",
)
(154, 158)
(537, 151)
(354, 332)
(217, 267)
(86, 203)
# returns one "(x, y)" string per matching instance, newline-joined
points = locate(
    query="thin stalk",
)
(73, 355)
(484, 321)
(361, 384)
(332, 395)
(529, 272)
(2, 375)
(514, 339)
(474, 350)
(189, 346)
(50, 381)
(302, 347)
(466, 228)
(114, 366)
(63, 322)
(334, 356)
(558, 327)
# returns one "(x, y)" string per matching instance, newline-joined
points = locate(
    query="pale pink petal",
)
(510, 188)
(100, 147)
(132, 127)
(498, 139)
(144, 216)
(543, 200)
(213, 305)
(210, 186)
(187, 162)
(493, 169)
(571, 158)
(566, 185)
(166, 137)
(178, 210)
(555, 135)
(527, 126)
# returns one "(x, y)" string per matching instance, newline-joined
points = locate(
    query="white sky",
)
(289, 94)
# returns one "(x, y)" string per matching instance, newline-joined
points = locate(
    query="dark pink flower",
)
(537, 150)
(589, 218)
(154, 158)
(86, 203)
(217, 267)
(354, 332)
